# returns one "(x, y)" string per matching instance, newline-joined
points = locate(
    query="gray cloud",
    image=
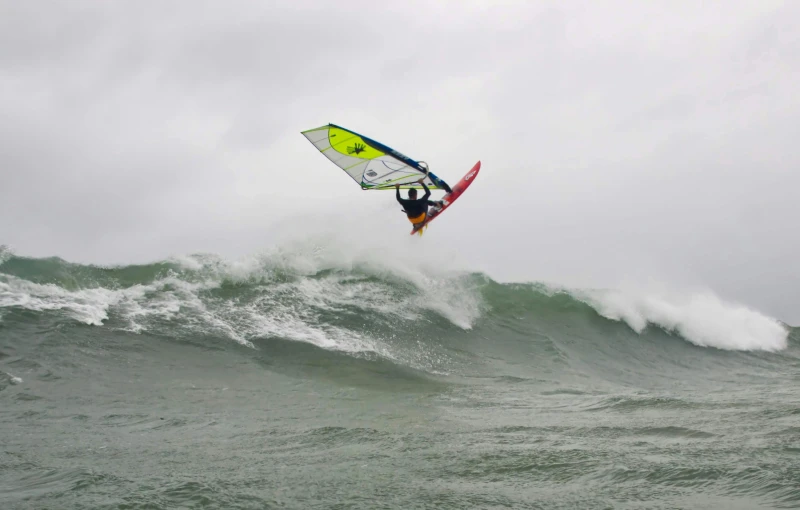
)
(620, 140)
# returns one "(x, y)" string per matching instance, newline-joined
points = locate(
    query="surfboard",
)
(460, 187)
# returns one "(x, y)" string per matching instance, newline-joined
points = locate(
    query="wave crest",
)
(352, 298)
(701, 318)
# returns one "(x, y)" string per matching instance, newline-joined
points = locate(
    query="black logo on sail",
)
(357, 149)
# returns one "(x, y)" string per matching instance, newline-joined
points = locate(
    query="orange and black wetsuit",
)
(416, 210)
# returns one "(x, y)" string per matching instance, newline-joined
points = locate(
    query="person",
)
(417, 209)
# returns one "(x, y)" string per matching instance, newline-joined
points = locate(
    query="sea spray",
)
(701, 317)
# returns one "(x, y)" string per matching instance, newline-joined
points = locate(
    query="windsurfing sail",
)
(371, 164)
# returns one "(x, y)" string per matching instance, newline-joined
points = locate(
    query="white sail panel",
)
(371, 164)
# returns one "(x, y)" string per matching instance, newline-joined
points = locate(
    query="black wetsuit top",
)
(416, 207)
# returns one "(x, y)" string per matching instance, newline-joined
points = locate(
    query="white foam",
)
(87, 305)
(700, 317)
(371, 250)
(163, 299)
(11, 377)
(368, 275)
(378, 276)
(294, 327)
(434, 271)
(5, 254)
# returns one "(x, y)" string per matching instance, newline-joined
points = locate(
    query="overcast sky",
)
(620, 140)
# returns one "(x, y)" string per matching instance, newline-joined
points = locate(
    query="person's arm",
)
(397, 193)
(427, 191)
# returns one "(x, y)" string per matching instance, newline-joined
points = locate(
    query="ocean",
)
(301, 378)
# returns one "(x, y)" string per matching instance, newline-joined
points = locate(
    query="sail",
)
(371, 164)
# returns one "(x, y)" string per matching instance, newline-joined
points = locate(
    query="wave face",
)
(304, 295)
(355, 352)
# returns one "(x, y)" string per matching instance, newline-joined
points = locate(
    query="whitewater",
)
(327, 373)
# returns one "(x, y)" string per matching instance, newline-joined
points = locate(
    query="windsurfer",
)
(417, 209)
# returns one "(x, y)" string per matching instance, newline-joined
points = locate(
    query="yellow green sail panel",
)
(371, 164)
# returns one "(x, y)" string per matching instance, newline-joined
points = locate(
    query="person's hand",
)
(396, 186)
(420, 181)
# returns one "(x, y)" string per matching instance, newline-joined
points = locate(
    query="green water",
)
(166, 386)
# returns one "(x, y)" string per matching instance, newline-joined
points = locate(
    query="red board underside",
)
(460, 187)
